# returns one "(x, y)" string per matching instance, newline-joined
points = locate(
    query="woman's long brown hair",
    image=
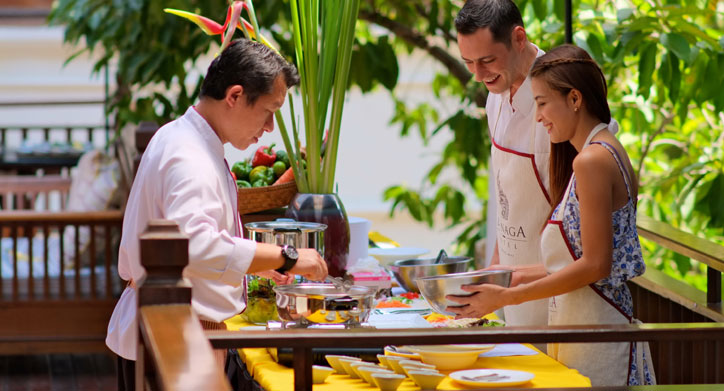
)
(565, 68)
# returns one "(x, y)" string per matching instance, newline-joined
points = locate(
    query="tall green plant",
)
(323, 39)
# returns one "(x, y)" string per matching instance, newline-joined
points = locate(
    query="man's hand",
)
(486, 298)
(280, 279)
(310, 265)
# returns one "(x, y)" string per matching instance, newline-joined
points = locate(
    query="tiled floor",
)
(58, 372)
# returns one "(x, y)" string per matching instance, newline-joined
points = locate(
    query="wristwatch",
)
(291, 256)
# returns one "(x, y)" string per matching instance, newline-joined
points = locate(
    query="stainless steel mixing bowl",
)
(435, 288)
(314, 303)
(408, 270)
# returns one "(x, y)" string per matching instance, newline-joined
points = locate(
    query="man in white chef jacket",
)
(184, 177)
(494, 46)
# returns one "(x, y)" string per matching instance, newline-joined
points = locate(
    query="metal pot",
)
(288, 231)
(408, 270)
(315, 303)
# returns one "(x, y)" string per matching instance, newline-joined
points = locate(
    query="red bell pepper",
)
(264, 156)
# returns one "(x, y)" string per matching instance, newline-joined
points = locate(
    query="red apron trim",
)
(532, 161)
(573, 255)
(565, 238)
(609, 301)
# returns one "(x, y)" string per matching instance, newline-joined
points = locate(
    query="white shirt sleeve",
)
(194, 198)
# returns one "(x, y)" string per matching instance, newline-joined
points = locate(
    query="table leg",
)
(303, 369)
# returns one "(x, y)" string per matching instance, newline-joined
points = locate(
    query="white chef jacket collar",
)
(205, 130)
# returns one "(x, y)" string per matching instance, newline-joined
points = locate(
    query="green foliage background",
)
(664, 60)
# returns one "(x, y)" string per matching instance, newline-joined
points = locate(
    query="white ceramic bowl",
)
(408, 366)
(366, 372)
(449, 357)
(394, 363)
(383, 360)
(347, 365)
(333, 360)
(387, 381)
(387, 256)
(320, 373)
(427, 380)
(361, 364)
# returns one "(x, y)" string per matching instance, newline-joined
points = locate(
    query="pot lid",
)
(325, 290)
(285, 225)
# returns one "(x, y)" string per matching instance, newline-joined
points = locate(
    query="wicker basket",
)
(255, 199)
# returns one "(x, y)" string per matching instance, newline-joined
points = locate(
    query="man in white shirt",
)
(183, 177)
(494, 45)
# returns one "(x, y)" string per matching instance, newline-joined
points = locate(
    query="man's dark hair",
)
(249, 64)
(500, 16)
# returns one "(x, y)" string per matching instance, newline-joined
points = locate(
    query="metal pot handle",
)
(286, 220)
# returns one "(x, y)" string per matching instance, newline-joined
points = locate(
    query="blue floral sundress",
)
(627, 258)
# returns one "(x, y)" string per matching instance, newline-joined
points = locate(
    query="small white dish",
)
(320, 373)
(333, 360)
(387, 256)
(388, 381)
(492, 377)
(347, 365)
(383, 360)
(408, 366)
(361, 364)
(366, 372)
(394, 362)
(427, 380)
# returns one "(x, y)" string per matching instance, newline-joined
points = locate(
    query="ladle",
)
(441, 256)
(339, 283)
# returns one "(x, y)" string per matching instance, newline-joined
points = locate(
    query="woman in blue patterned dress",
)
(590, 245)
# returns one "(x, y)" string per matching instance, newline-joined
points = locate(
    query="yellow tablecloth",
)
(272, 376)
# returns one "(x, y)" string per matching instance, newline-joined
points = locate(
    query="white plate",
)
(507, 377)
(387, 256)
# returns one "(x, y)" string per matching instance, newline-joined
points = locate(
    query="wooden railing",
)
(67, 311)
(694, 247)
(659, 298)
(22, 192)
(175, 355)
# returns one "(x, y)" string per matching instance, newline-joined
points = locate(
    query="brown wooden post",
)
(164, 255)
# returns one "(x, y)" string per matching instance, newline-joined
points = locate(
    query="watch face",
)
(291, 252)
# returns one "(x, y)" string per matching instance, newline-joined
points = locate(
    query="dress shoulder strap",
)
(619, 162)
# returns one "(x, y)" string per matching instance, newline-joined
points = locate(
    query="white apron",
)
(606, 364)
(522, 206)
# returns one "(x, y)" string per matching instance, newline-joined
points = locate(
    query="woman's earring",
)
(575, 109)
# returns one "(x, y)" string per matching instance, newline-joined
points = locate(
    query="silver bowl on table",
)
(408, 270)
(435, 288)
(317, 303)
